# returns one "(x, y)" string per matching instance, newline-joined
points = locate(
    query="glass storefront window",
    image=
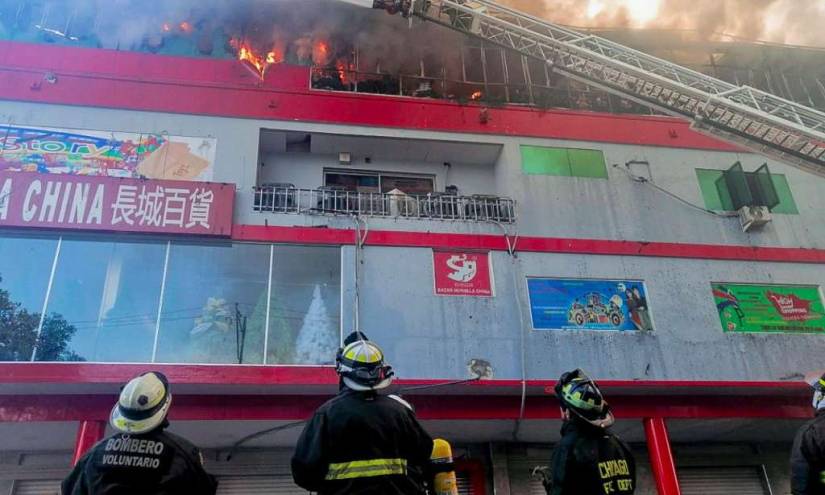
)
(25, 267)
(109, 293)
(305, 305)
(107, 301)
(211, 292)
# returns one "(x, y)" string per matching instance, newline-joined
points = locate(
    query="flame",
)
(320, 52)
(477, 95)
(259, 62)
(246, 53)
(166, 27)
(341, 67)
(185, 26)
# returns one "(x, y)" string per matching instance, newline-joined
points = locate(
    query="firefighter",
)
(808, 453)
(142, 459)
(362, 442)
(589, 459)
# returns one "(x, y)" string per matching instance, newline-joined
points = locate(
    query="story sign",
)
(114, 204)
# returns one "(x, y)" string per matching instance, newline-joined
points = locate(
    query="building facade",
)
(244, 225)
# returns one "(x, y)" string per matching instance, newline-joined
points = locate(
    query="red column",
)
(88, 434)
(661, 457)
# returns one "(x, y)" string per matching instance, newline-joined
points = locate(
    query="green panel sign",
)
(769, 308)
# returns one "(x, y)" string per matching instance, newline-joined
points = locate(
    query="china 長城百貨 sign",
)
(76, 202)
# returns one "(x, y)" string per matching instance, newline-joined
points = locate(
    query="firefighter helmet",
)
(143, 404)
(361, 364)
(579, 394)
(819, 392)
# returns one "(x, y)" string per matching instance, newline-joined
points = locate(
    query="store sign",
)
(462, 274)
(111, 204)
(562, 304)
(106, 153)
(769, 308)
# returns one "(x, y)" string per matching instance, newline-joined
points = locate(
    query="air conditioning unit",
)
(753, 217)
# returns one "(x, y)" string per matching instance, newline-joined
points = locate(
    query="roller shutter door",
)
(283, 485)
(520, 463)
(747, 480)
(255, 485)
(36, 487)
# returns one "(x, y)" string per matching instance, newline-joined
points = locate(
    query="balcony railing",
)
(335, 201)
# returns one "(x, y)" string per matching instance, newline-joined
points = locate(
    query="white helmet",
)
(143, 404)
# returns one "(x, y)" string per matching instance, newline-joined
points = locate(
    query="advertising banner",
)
(462, 274)
(106, 153)
(563, 304)
(112, 204)
(769, 308)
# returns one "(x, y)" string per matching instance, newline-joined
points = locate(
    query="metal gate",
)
(36, 487)
(254, 485)
(741, 480)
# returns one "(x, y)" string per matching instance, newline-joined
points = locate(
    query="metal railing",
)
(433, 206)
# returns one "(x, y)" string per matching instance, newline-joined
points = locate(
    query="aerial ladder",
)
(751, 118)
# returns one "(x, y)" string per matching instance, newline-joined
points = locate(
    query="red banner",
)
(114, 204)
(462, 274)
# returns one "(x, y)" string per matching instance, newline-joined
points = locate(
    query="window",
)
(717, 193)
(108, 293)
(305, 305)
(212, 292)
(373, 182)
(104, 301)
(567, 162)
(25, 266)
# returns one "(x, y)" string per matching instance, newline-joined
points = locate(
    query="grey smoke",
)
(797, 22)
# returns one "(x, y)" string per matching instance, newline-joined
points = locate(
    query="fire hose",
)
(295, 424)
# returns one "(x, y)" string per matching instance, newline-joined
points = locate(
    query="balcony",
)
(330, 200)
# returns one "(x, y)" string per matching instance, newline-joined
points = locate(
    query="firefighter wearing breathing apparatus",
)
(142, 459)
(808, 453)
(362, 442)
(589, 460)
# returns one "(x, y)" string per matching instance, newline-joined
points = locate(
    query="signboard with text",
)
(769, 308)
(112, 204)
(106, 153)
(578, 304)
(462, 274)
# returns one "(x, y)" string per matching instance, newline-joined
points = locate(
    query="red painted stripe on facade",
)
(27, 408)
(308, 235)
(66, 373)
(138, 81)
(275, 376)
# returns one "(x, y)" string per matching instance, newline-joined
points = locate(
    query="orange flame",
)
(320, 52)
(260, 63)
(185, 26)
(477, 95)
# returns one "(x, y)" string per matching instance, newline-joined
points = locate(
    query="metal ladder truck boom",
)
(765, 123)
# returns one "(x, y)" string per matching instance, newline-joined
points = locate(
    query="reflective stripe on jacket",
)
(362, 443)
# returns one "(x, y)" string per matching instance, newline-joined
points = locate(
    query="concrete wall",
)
(433, 336)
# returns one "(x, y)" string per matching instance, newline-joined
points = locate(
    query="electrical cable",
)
(260, 434)
(643, 180)
(295, 424)
(437, 385)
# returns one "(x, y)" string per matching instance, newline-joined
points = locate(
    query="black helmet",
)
(361, 364)
(580, 394)
(819, 392)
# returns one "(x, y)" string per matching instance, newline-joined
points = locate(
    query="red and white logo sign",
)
(462, 274)
(115, 204)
